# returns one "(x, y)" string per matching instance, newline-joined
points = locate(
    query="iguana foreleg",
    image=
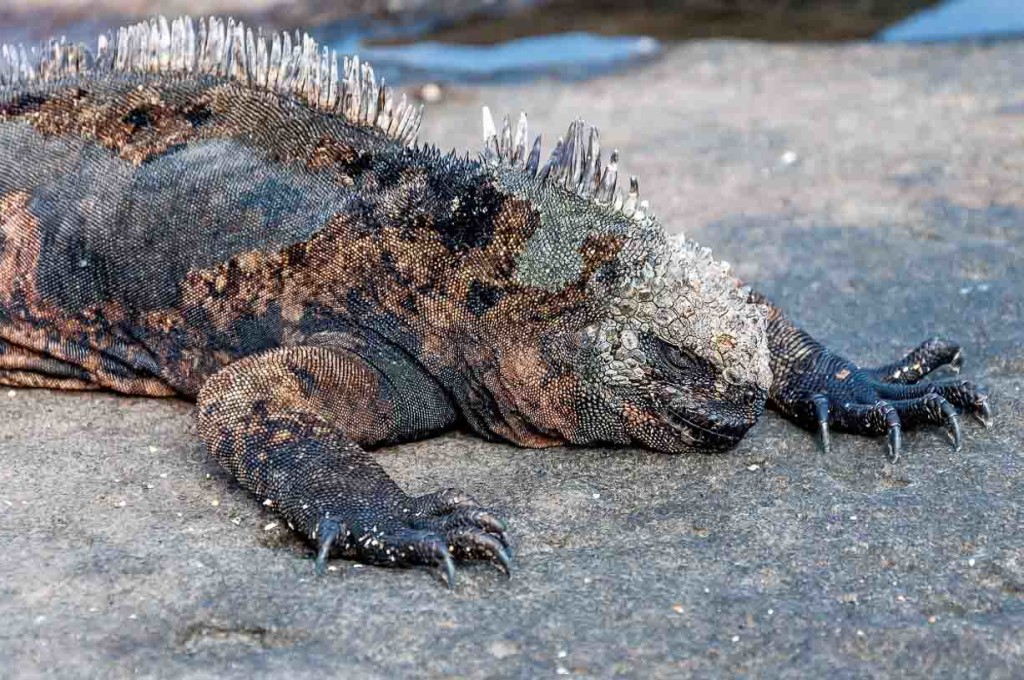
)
(819, 390)
(291, 425)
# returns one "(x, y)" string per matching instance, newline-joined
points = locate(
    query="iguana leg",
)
(820, 390)
(291, 425)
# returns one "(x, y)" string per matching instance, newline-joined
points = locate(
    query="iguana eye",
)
(679, 357)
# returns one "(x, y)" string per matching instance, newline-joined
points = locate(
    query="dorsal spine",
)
(292, 65)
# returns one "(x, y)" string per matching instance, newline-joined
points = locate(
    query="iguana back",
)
(149, 201)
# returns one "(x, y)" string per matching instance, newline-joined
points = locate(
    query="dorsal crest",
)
(574, 163)
(293, 65)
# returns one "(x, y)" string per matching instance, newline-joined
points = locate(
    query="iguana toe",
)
(983, 413)
(471, 543)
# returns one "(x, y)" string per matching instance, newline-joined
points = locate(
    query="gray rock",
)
(874, 191)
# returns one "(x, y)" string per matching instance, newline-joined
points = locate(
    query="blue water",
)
(567, 55)
(564, 55)
(579, 55)
(959, 20)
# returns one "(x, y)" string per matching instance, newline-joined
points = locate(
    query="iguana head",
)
(680, 353)
(669, 353)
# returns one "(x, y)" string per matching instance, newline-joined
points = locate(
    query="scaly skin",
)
(320, 287)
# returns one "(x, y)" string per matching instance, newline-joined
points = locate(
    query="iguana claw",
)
(821, 413)
(953, 430)
(447, 570)
(328, 533)
(895, 439)
(983, 414)
(957, 362)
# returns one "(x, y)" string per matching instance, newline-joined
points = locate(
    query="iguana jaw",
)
(702, 437)
(716, 425)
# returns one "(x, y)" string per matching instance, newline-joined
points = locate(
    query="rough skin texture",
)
(322, 288)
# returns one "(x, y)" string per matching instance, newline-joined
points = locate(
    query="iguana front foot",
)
(432, 530)
(292, 425)
(830, 392)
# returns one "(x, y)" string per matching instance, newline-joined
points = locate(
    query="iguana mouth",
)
(725, 436)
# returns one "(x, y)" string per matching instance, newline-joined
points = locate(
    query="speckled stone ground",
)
(874, 191)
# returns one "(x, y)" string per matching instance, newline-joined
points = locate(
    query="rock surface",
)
(873, 191)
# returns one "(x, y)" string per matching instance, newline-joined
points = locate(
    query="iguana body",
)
(214, 216)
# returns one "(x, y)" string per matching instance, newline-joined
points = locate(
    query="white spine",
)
(300, 68)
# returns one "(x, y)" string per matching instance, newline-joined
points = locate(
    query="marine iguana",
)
(199, 211)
